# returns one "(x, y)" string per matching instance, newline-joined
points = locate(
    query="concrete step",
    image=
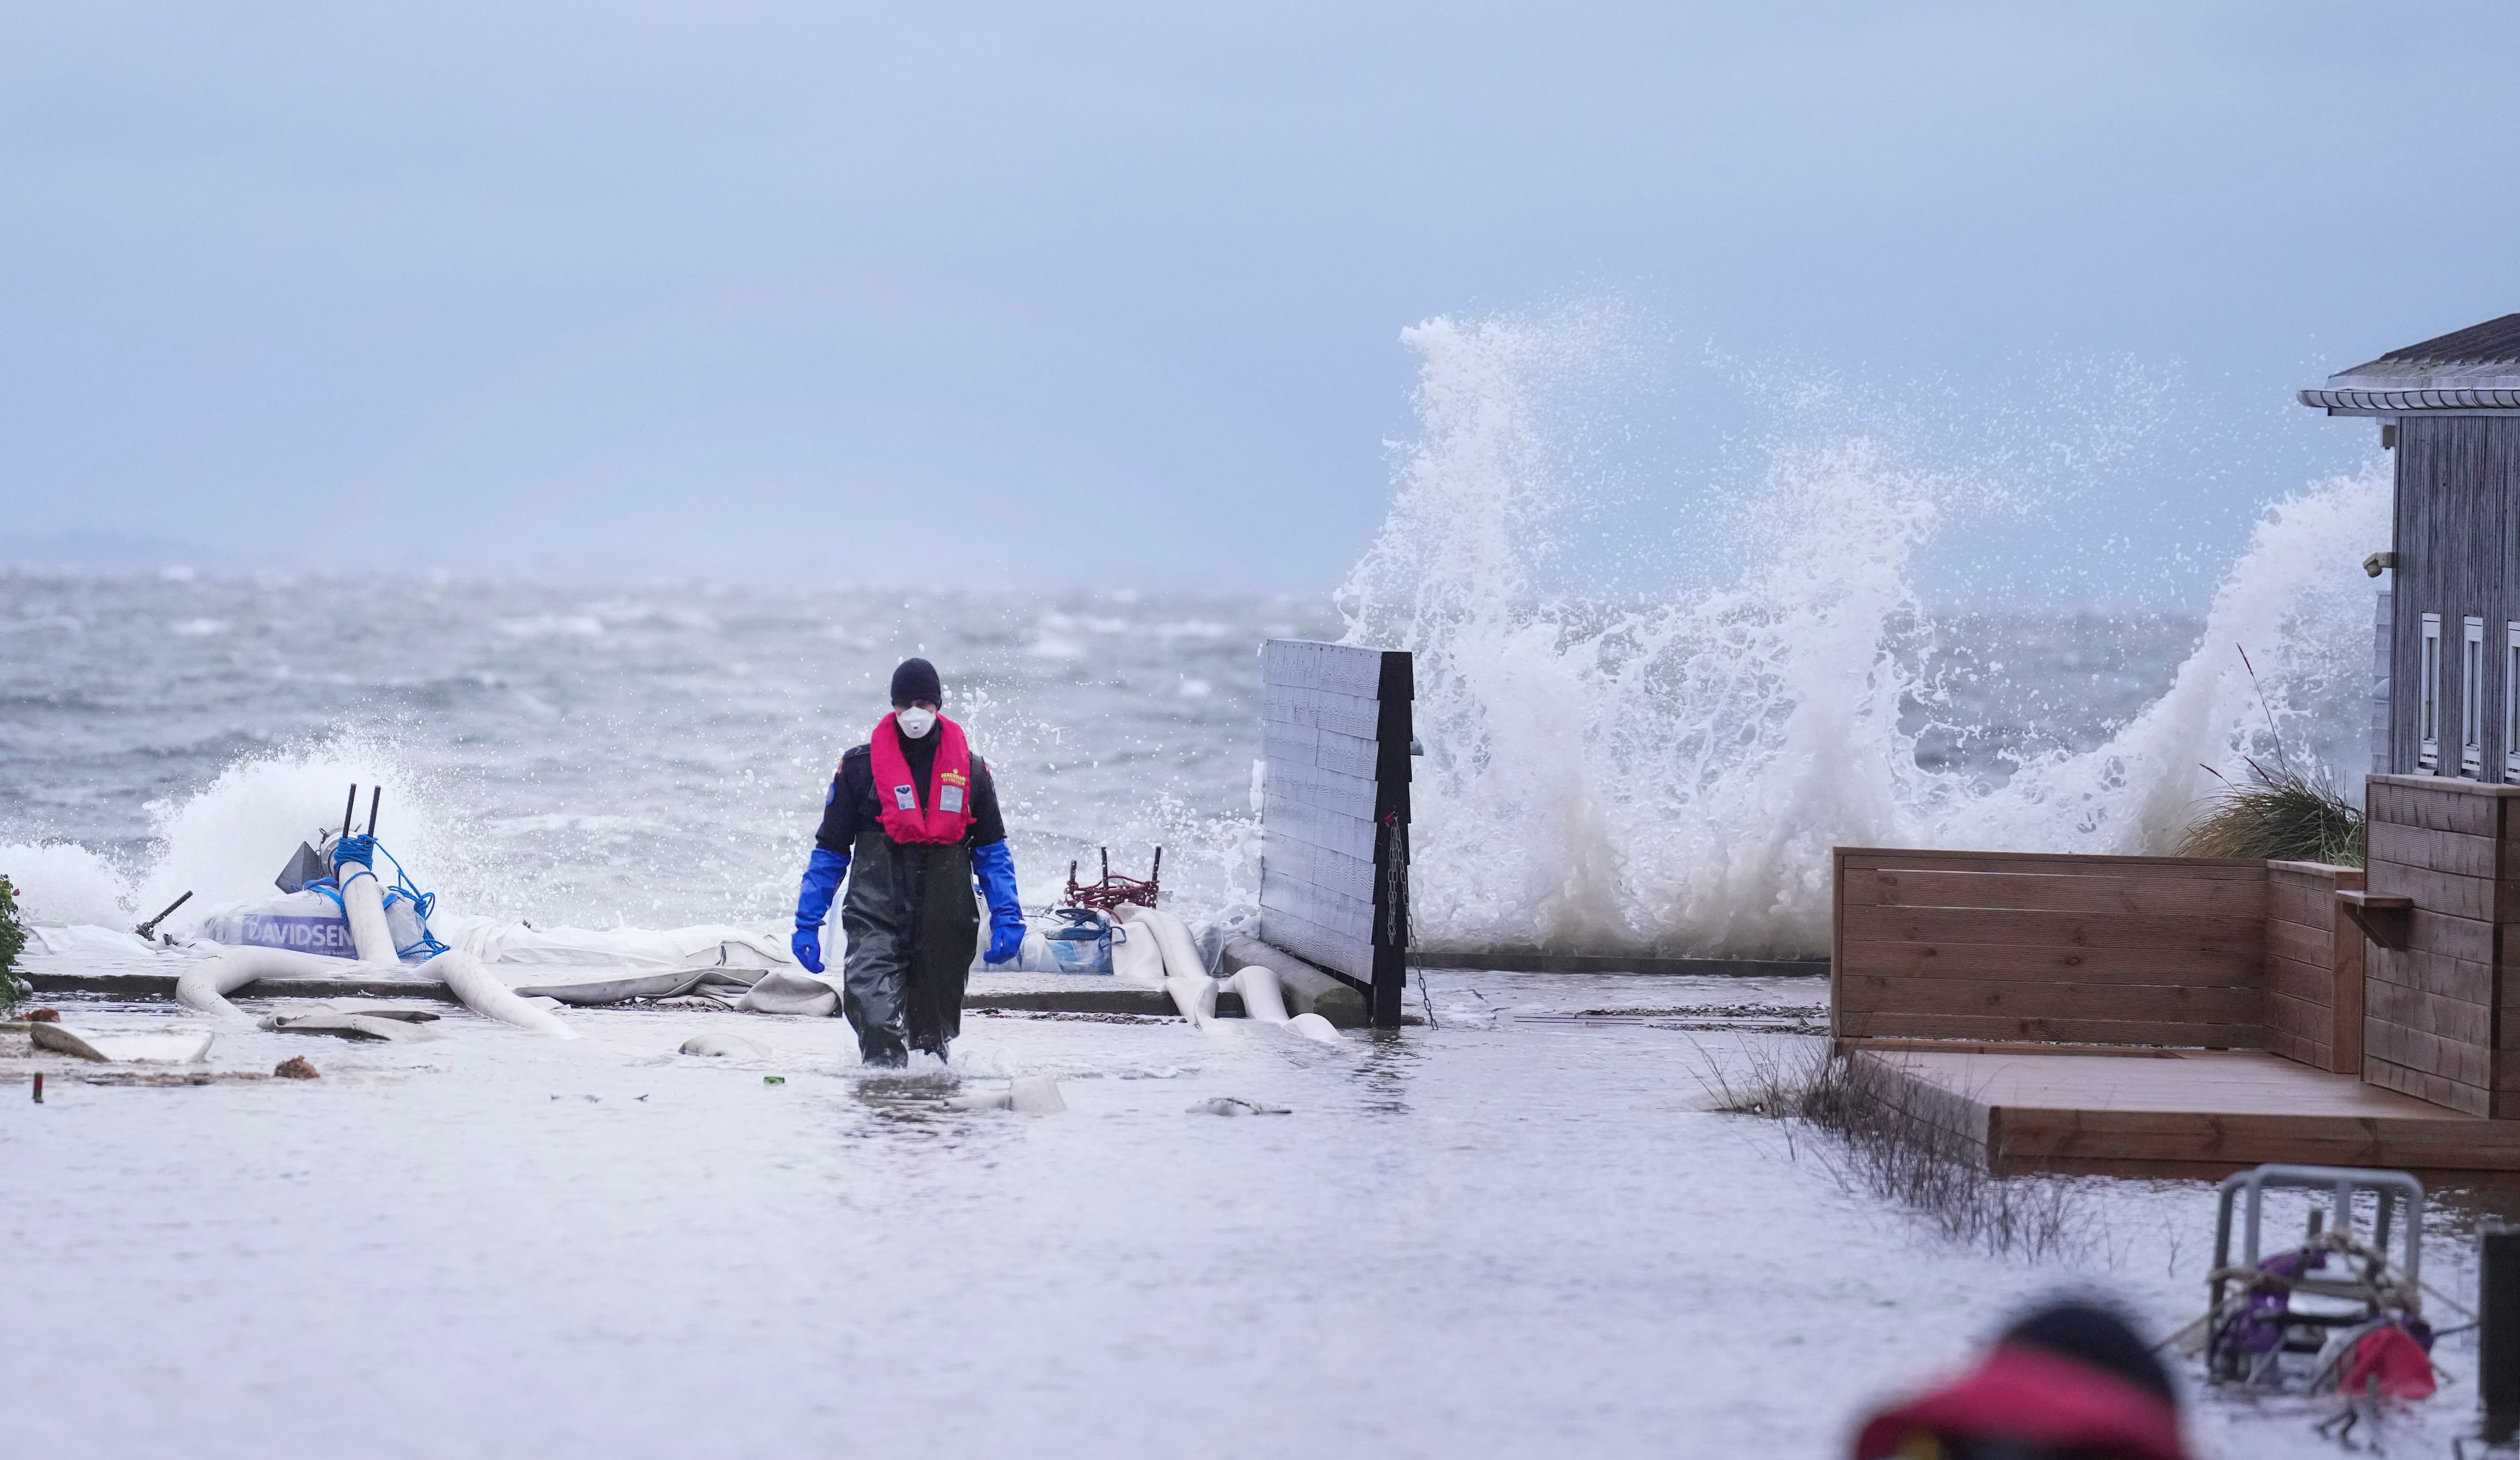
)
(1052, 993)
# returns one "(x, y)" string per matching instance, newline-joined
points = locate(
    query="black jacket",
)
(850, 808)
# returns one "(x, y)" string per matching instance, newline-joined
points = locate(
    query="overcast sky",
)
(1040, 294)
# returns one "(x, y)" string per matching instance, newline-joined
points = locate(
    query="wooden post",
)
(2346, 1041)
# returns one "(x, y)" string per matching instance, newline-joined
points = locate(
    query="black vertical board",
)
(2498, 1339)
(1394, 730)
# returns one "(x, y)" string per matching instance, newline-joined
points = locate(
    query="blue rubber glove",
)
(995, 868)
(823, 873)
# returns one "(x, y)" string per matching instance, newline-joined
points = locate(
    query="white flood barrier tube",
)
(1135, 958)
(1262, 999)
(481, 992)
(1265, 1001)
(362, 905)
(206, 984)
(1185, 972)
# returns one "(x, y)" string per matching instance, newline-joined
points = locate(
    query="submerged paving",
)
(1508, 1234)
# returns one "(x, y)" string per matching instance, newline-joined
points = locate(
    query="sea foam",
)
(1668, 773)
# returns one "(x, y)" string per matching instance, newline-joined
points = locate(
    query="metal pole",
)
(376, 794)
(2257, 1202)
(349, 809)
(2498, 1342)
(150, 927)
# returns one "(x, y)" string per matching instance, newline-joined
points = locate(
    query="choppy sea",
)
(657, 755)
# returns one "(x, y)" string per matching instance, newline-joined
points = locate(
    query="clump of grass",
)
(1902, 1140)
(12, 942)
(2281, 815)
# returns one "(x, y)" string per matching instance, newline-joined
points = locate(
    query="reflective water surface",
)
(1497, 1236)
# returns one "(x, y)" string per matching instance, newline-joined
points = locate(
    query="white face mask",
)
(916, 721)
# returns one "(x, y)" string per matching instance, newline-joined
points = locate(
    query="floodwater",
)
(1502, 1235)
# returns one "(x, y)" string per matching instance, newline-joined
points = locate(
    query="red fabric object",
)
(944, 813)
(2029, 1395)
(2392, 1357)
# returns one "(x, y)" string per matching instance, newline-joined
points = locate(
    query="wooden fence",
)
(2038, 948)
(2313, 967)
(2439, 1025)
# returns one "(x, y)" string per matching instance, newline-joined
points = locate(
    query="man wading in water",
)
(915, 813)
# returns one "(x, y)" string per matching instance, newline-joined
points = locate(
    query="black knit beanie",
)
(917, 680)
(2099, 1338)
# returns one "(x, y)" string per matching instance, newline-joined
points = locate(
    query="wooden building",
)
(2451, 408)
(2120, 1013)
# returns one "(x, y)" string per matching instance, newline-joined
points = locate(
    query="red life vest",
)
(944, 813)
(2029, 1395)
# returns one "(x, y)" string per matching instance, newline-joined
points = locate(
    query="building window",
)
(2428, 709)
(2511, 702)
(2471, 699)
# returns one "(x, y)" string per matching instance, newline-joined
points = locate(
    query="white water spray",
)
(225, 842)
(1671, 776)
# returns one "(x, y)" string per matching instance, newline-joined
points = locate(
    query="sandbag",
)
(299, 922)
(1080, 944)
(717, 1046)
(780, 991)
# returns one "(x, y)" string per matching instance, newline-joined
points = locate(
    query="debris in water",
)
(1032, 1095)
(773, 1079)
(1744, 1018)
(1068, 1016)
(40, 1087)
(725, 1046)
(1235, 1105)
(44, 1016)
(180, 1047)
(350, 1026)
(367, 1010)
(295, 1066)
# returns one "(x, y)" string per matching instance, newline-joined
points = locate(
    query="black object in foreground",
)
(2498, 1339)
(305, 867)
(150, 927)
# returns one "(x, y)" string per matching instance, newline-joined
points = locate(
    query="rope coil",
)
(360, 853)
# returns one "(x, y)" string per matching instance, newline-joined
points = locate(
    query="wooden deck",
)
(2047, 1106)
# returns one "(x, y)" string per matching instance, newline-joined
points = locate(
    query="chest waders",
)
(912, 924)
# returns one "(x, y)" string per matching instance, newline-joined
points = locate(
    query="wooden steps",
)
(2038, 1106)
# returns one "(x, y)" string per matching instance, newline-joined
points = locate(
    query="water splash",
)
(225, 842)
(1669, 775)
